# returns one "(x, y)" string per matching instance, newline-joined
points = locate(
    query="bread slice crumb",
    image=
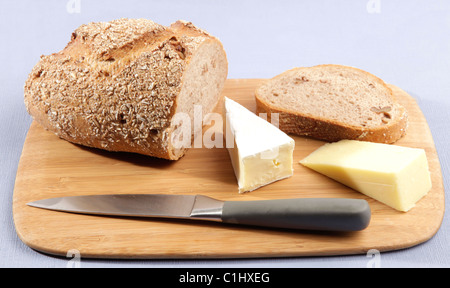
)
(333, 102)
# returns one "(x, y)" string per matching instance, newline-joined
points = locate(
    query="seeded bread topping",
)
(115, 86)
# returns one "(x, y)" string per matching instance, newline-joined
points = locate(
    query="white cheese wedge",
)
(260, 152)
(394, 175)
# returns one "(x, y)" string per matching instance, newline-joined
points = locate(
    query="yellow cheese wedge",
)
(394, 175)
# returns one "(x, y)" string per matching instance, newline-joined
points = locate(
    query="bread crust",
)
(298, 123)
(115, 85)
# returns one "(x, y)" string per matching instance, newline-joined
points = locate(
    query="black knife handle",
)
(330, 214)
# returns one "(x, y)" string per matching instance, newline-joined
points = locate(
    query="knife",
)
(331, 214)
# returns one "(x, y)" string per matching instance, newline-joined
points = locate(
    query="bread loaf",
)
(117, 85)
(333, 102)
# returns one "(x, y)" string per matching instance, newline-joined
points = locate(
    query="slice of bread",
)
(333, 102)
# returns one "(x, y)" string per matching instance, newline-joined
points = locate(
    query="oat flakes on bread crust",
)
(333, 102)
(117, 85)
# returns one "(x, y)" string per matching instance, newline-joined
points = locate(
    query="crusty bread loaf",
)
(117, 85)
(333, 102)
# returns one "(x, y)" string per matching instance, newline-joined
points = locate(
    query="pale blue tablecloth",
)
(404, 42)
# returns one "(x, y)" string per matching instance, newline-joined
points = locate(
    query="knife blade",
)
(329, 214)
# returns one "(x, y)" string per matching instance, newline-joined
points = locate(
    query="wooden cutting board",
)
(51, 167)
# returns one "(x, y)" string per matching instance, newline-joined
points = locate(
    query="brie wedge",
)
(394, 175)
(260, 152)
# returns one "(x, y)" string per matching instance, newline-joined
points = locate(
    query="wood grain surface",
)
(51, 167)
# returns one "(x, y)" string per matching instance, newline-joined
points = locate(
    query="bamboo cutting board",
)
(51, 167)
